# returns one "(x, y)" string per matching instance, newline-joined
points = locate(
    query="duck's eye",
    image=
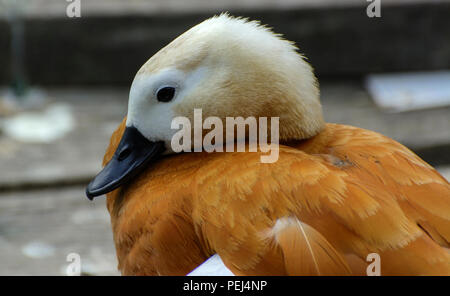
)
(166, 94)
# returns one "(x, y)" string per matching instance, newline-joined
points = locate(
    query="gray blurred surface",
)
(46, 8)
(38, 229)
(74, 158)
(112, 39)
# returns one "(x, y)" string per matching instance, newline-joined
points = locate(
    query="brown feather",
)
(353, 192)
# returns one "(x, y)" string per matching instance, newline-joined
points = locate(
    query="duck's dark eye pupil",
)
(165, 94)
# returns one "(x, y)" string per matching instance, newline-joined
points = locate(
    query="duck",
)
(335, 196)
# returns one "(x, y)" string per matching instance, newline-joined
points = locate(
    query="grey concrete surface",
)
(72, 159)
(39, 229)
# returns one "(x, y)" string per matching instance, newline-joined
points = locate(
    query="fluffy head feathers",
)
(228, 67)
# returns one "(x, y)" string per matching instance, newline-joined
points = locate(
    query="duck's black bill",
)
(131, 157)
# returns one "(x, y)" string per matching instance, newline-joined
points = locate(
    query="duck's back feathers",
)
(343, 194)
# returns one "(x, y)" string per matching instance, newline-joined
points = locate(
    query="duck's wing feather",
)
(356, 190)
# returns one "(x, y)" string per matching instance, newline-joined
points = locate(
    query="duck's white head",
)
(227, 67)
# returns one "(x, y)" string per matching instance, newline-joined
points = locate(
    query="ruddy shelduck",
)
(336, 194)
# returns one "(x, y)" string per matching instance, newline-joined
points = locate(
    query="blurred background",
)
(66, 67)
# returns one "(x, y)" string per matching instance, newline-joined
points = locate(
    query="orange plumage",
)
(343, 194)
